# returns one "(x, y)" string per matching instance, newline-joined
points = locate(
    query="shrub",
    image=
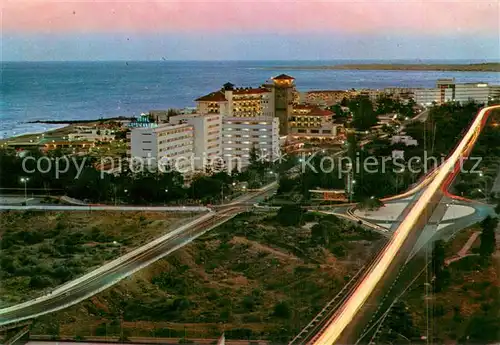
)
(290, 215)
(282, 310)
(39, 282)
(238, 333)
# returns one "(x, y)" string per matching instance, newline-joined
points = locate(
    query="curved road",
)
(417, 216)
(111, 273)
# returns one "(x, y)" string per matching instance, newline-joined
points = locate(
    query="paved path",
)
(462, 253)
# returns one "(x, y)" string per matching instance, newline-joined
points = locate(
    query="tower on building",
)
(283, 87)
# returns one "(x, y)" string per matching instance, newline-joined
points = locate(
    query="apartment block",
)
(170, 145)
(207, 137)
(91, 134)
(447, 90)
(273, 99)
(311, 122)
(237, 102)
(427, 96)
(241, 135)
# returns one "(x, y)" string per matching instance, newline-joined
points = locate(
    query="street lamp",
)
(482, 192)
(485, 181)
(351, 191)
(25, 181)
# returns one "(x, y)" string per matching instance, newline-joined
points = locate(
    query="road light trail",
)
(111, 273)
(331, 333)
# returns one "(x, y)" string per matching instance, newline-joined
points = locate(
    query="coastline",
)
(481, 67)
(36, 131)
(58, 127)
(75, 122)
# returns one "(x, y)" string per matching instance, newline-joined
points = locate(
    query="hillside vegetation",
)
(255, 277)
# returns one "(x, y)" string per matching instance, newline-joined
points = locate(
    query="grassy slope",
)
(40, 250)
(468, 305)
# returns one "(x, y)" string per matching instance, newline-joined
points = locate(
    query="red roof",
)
(283, 77)
(313, 110)
(303, 107)
(320, 112)
(243, 91)
(217, 96)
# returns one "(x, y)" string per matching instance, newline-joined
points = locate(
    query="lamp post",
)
(351, 191)
(25, 181)
(481, 175)
(484, 194)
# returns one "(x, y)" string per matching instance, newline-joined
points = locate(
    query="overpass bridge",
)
(345, 324)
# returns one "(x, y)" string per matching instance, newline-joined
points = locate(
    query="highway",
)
(336, 329)
(111, 273)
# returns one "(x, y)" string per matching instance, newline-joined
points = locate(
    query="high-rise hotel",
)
(252, 118)
(233, 121)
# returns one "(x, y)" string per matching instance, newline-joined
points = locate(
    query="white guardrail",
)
(106, 208)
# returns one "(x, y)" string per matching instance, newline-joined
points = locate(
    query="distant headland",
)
(477, 67)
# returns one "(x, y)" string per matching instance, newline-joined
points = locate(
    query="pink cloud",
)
(369, 16)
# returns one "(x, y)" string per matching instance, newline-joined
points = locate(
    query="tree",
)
(282, 310)
(326, 232)
(337, 109)
(438, 268)
(363, 115)
(399, 322)
(386, 104)
(488, 241)
(290, 215)
(497, 209)
(286, 185)
(206, 187)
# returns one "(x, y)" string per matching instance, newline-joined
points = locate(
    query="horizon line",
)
(414, 60)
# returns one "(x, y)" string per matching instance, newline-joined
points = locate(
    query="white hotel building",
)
(207, 137)
(447, 90)
(166, 144)
(248, 121)
(241, 135)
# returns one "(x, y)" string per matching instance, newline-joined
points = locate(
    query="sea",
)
(62, 91)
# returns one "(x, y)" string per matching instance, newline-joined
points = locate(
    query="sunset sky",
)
(229, 30)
